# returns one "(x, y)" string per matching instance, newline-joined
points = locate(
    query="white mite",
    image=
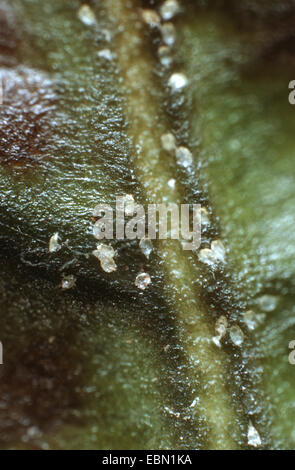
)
(142, 281)
(168, 142)
(86, 15)
(184, 157)
(254, 439)
(53, 243)
(220, 330)
(68, 282)
(268, 303)
(236, 335)
(164, 56)
(129, 204)
(205, 216)
(105, 54)
(214, 255)
(105, 254)
(169, 9)
(171, 183)
(168, 34)
(146, 247)
(151, 18)
(177, 82)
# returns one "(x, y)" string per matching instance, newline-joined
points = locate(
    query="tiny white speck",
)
(105, 254)
(169, 9)
(53, 243)
(219, 251)
(164, 54)
(146, 247)
(172, 412)
(204, 216)
(106, 251)
(168, 142)
(68, 282)
(107, 35)
(195, 402)
(184, 157)
(177, 82)
(268, 303)
(129, 204)
(151, 18)
(86, 15)
(220, 330)
(252, 319)
(108, 265)
(168, 34)
(142, 281)
(206, 256)
(214, 255)
(254, 439)
(236, 335)
(105, 54)
(171, 183)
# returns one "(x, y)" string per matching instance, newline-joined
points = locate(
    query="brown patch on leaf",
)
(267, 26)
(39, 392)
(26, 112)
(26, 116)
(276, 40)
